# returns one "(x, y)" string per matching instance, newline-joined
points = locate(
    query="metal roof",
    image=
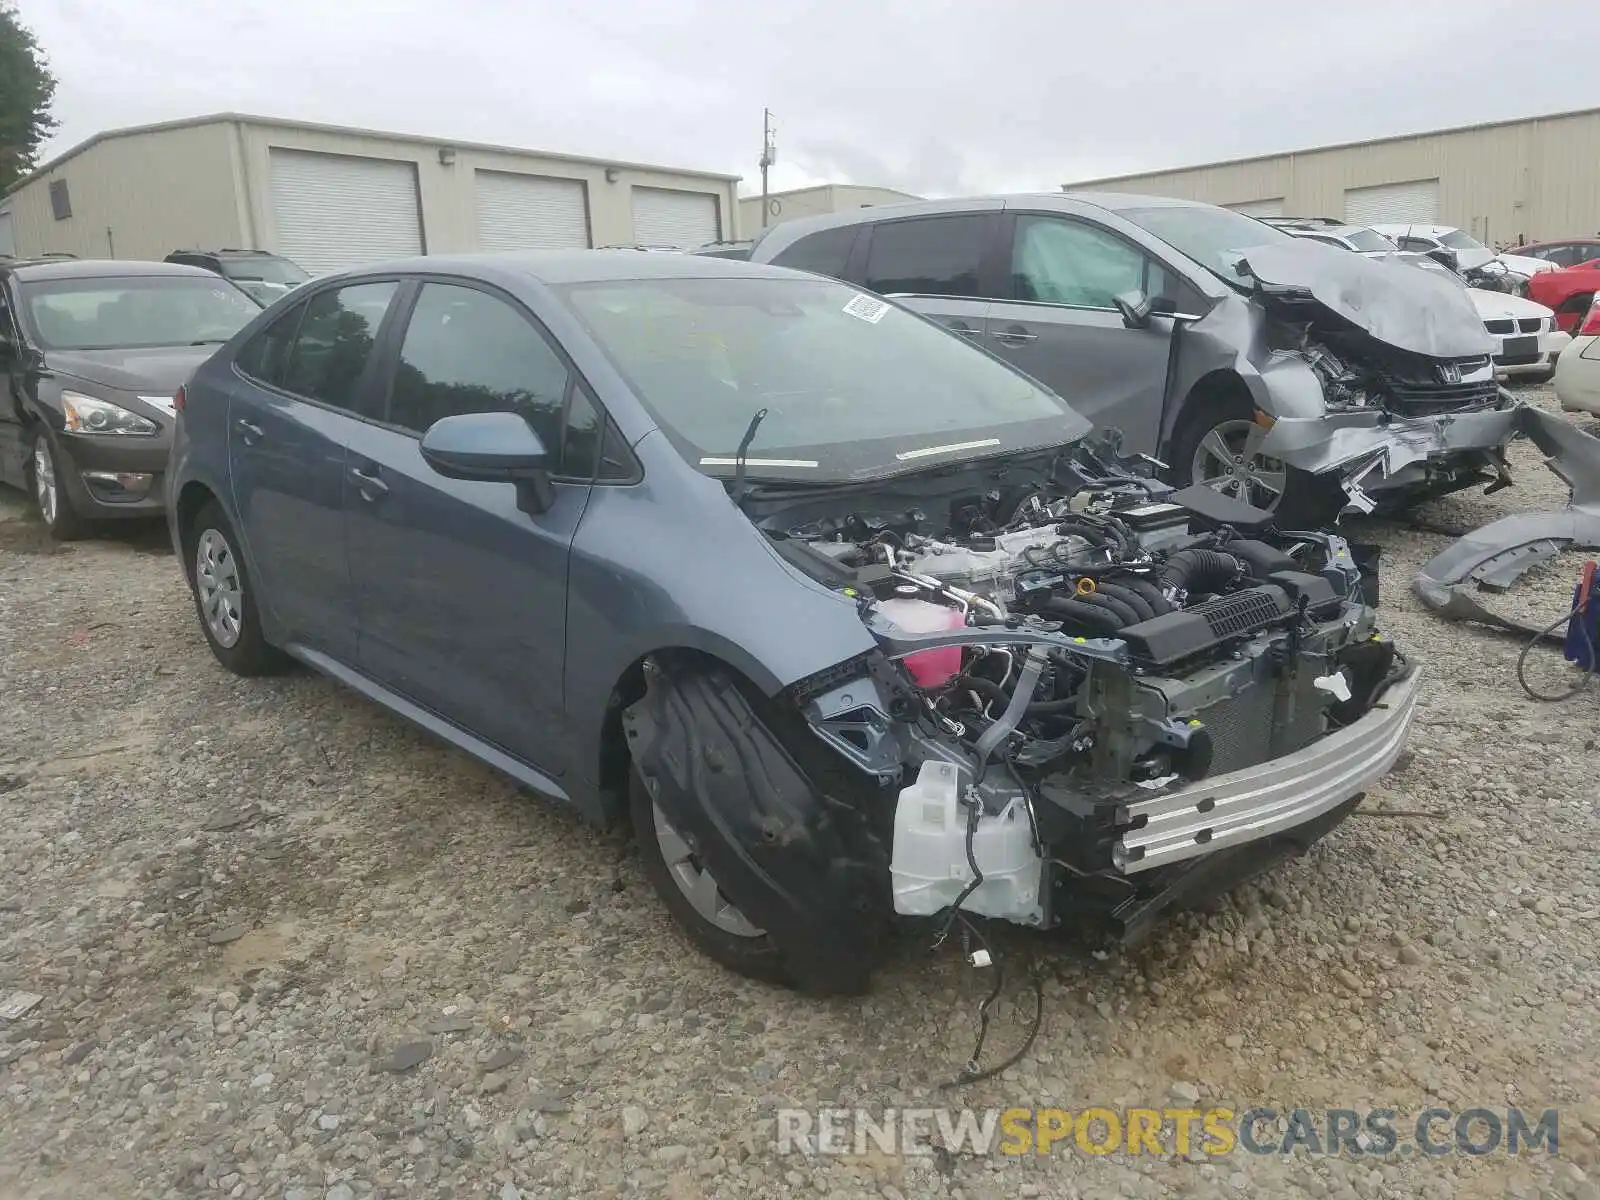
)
(1379, 141)
(348, 131)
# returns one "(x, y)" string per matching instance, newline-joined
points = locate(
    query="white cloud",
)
(930, 98)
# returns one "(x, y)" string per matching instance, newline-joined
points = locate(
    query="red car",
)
(1567, 291)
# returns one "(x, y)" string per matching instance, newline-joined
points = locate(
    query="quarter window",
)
(931, 256)
(334, 343)
(466, 351)
(1067, 262)
(826, 252)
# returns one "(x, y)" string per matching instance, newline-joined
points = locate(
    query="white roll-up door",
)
(664, 217)
(335, 212)
(8, 243)
(1416, 202)
(1259, 208)
(530, 212)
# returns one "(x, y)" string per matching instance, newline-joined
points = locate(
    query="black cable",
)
(974, 809)
(1578, 613)
(970, 1073)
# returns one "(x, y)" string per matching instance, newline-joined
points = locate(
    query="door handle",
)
(248, 433)
(1015, 336)
(963, 329)
(372, 487)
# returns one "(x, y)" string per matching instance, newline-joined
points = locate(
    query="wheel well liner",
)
(794, 834)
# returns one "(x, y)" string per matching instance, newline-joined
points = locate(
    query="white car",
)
(1526, 338)
(1469, 251)
(1527, 342)
(1578, 368)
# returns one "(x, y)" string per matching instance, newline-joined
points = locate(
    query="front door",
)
(462, 595)
(12, 382)
(1061, 325)
(289, 421)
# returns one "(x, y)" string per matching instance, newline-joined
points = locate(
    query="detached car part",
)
(1496, 556)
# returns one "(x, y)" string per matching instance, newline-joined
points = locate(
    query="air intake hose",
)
(1101, 622)
(1201, 570)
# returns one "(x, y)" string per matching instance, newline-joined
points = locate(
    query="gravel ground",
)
(289, 947)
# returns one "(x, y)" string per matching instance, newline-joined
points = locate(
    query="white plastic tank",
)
(929, 868)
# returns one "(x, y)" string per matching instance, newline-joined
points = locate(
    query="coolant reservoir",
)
(929, 869)
(929, 668)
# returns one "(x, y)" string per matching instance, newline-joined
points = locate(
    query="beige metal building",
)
(814, 202)
(1538, 177)
(331, 198)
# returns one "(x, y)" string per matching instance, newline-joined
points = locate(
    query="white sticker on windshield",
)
(867, 309)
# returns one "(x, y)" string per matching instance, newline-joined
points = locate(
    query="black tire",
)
(795, 836)
(57, 513)
(755, 958)
(248, 653)
(1308, 501)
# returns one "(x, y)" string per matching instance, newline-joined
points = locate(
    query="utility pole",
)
(769, 155)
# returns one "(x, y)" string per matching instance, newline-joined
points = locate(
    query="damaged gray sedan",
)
(851, 619)
(1294, 375)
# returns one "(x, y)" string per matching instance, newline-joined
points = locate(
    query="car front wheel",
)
(1218, 444)
(50, 495)
(224, 598)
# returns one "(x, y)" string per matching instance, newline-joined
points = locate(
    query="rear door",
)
(304, 385)
(1060, 325)
(942, 266)
(462, 595)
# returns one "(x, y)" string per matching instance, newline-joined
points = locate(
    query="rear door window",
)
(928, 256)
(333, 345)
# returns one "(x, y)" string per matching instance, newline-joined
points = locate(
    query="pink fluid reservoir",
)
(929, 668)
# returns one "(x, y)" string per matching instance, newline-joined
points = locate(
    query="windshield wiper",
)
(738, 458)
(209, 342)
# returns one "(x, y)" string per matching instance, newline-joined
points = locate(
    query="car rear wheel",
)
(1218, 444)
(50, 495)
(224, 598)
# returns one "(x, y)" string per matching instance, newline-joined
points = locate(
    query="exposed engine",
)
(1062, 661)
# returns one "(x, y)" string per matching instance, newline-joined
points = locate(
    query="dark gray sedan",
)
(836, 607)
(91, 354)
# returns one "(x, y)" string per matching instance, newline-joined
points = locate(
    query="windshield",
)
(1368, 239)
(853, 387)
(263, 270)
(1215, 238)
(131, 312)
(1457, 240)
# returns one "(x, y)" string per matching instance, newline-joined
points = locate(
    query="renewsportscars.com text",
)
(1162, 1132)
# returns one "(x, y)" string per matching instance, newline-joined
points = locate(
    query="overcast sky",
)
(937, 99)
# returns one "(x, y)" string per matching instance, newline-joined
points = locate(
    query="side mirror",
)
(492, 447)
(1135, 308)
(1495, 269)
(1448, 257)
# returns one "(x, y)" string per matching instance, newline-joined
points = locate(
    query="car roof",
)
(229, 253)
(97, 268)
(1573, 241)
(581, 266)
(1417, 227)
(1328, 230)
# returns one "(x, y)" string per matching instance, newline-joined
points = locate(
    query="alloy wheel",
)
(696, 883)
(220, 587)
(44, 482)
(1229, 460)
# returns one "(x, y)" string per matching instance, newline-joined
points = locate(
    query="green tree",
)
(26, 89)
